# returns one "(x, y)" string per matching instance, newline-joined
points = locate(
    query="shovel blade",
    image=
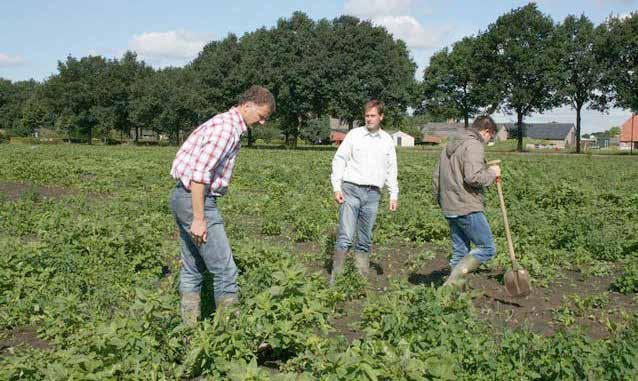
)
(517, 283)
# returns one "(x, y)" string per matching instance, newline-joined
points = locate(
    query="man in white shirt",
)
(365, 161)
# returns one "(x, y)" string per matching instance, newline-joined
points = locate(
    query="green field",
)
(89, 265)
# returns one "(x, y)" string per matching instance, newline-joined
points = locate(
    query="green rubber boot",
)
(338, 260)
(468, 264)
(362, 262)
(190, 308)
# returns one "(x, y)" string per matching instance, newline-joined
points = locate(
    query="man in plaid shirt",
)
(203, 170)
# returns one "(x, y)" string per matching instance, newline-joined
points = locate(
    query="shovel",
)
(517, 282)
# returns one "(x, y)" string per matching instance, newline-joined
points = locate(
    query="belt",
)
(366, 187)
(206, 189)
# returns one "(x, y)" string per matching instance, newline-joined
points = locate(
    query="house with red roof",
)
(629, 133)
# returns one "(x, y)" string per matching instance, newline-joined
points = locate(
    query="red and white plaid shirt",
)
(208, 155)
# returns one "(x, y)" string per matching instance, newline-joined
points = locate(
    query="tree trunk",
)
(90, 135)
(521, 133)
(250, 137)
(137, 134)
(291, 139)
(579, 106)
(466, 118)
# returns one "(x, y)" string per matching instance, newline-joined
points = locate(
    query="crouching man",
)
(458, 181)
(203, 169)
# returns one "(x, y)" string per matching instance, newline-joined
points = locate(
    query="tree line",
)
(522, 63)
(525, 63)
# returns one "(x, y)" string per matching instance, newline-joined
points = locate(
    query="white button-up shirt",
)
(366, 158)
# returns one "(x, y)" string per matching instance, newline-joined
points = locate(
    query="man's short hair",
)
(259, 96)
(379, 105)
(483, 123)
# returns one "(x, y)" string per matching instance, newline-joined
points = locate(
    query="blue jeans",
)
(214, 255)
(357, 215)
(472, 228)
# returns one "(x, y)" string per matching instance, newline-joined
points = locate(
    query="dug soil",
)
(537, 312)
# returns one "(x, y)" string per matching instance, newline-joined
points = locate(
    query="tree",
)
(619, 51)
(35, 114)
(77, 92)
(13, 98)
(456, 84)
(580, 68)
(290, 60)
(366, 62)
(121, 76)
(614, 131)
(168, 102)
(523, 45)
(317, 131)
(217, 76)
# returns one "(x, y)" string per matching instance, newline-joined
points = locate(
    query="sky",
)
(35, 35)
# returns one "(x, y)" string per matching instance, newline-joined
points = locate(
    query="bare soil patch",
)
(13, 190)
(537, 312)
(22, 336)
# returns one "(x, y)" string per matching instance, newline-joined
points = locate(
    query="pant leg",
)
(365, 222)
(460, 241)
(217, 254)
(192, 265)
(478, 231)
(348, 215)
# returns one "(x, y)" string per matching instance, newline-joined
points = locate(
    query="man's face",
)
(254, 113)
(373, 118)
(487, 135)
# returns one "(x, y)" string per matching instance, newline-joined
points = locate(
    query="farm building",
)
(558, 135)
(629, 133)
(337, 135)
(434, 132)
(401, 139)
(431, 140)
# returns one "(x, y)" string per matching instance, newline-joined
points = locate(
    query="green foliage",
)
(628, 282)
(525, 61)
(94, 268)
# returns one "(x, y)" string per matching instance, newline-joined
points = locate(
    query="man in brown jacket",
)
(458, 183)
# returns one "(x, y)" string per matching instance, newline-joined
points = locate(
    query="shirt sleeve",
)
(391, 173)
(475, 174)
(339, 162)
(210, 152)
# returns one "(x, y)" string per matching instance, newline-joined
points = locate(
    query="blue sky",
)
(36, 34)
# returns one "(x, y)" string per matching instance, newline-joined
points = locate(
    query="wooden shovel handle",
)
(508, 234)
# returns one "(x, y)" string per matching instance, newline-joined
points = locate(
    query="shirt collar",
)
(241, 125)
(373, 134)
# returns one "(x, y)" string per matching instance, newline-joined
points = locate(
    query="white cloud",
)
(374, 8)
(410, 30)
(172, 44)
(7, 60)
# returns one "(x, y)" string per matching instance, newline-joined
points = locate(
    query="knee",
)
(189, 282)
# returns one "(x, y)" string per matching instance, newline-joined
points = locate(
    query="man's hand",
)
(198, 231)
(339, 197)
(496, 169)
(394, 204)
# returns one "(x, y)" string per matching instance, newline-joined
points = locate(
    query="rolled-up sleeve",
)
(209, 152)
